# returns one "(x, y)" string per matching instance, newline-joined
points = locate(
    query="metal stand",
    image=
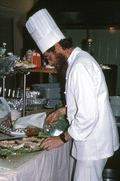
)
(24, 95)
(51, 78)
(25, 73)
(3, 85)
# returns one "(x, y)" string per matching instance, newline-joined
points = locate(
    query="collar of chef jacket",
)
(73, 54)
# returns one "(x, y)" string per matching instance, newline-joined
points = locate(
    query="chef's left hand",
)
(50, 143)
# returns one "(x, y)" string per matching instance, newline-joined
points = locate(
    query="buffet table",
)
(53, 165)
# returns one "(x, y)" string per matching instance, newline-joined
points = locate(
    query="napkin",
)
(36, 120)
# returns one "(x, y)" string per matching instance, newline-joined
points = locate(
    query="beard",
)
(61, 63)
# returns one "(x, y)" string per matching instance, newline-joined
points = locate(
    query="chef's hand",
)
(53, 117)
(50, 143)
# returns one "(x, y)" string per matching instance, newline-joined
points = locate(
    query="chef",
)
(92, 125)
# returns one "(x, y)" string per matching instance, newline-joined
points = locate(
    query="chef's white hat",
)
(44, 30)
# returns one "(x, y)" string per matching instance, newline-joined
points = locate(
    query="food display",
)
(24, 64)
(5, 117)
(32, 131)
(28, 132)
(18, 146)
(104, 66)
(6, 124)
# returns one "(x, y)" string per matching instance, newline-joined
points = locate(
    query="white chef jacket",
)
(92, 124)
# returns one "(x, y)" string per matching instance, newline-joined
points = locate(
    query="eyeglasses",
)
(47, 58)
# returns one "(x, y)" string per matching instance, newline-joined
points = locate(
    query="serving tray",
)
(20, 145)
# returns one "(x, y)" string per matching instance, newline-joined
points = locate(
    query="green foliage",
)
(55, 130)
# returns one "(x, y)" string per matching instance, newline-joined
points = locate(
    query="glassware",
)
(3, 51)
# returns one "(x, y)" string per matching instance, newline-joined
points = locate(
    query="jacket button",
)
(64, 92)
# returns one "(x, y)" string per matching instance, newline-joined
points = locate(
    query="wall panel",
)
(106, 46)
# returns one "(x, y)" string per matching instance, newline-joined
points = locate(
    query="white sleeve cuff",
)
(74, 135)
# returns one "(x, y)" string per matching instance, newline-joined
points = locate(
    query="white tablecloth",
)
(53, 165)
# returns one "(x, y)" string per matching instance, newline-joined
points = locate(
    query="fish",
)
(18, 146)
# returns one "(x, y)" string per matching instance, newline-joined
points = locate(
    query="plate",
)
(18, 134)
(48, 107)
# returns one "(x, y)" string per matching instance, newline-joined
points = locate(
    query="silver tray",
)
(8, 137)
(23, 68)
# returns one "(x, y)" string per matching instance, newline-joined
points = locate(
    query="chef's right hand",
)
(53, 117)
